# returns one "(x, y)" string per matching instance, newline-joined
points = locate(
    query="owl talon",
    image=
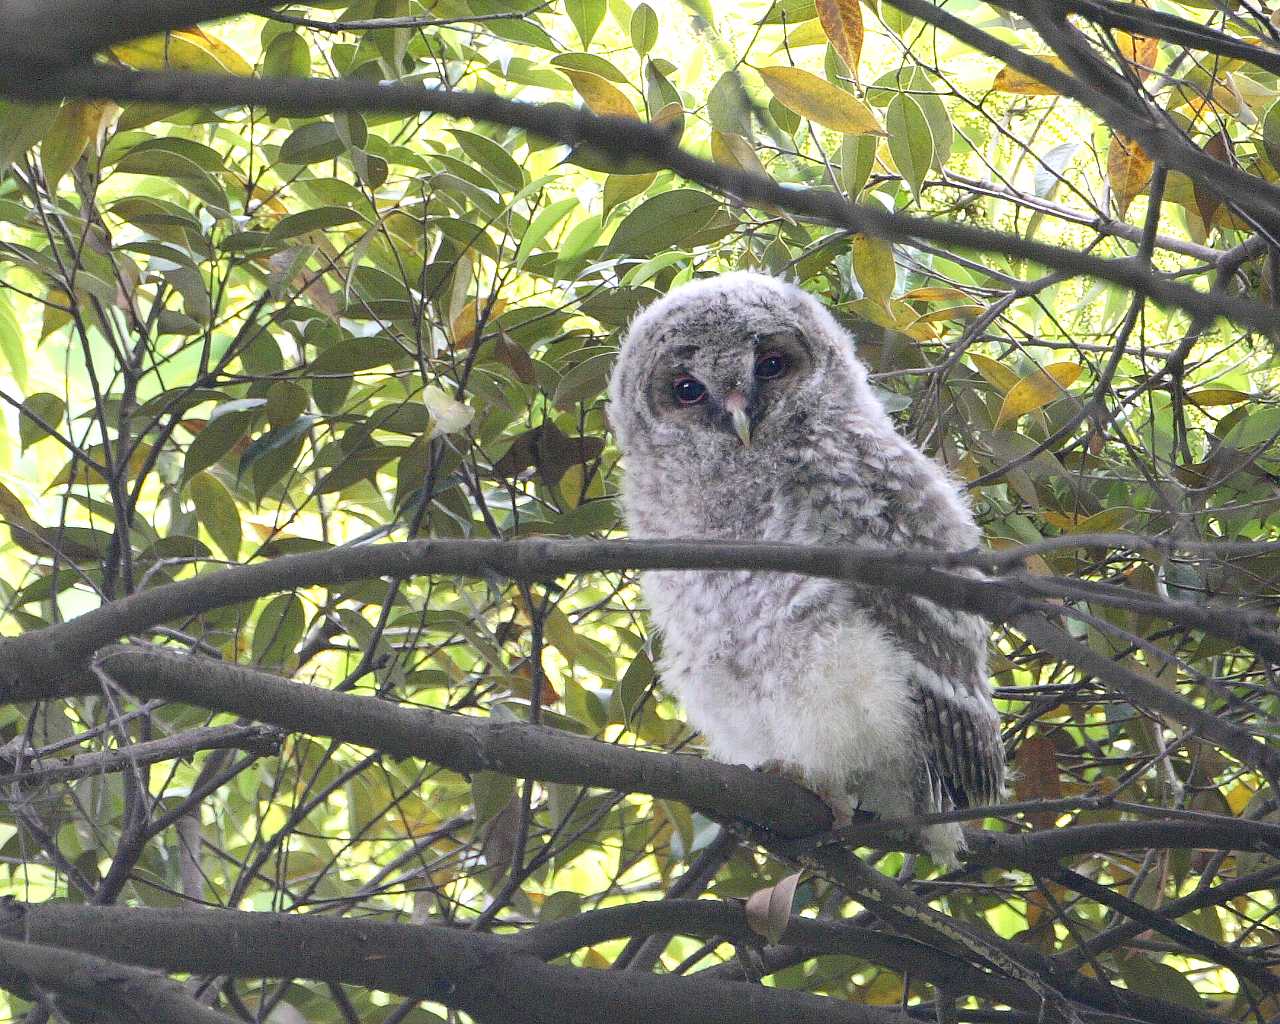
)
(841, 805)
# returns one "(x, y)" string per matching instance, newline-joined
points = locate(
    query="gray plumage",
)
(870, 696)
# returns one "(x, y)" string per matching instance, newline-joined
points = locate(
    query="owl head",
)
(735, 366)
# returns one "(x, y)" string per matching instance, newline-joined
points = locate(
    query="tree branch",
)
(633, 145)
(127, 994)
(487, 976)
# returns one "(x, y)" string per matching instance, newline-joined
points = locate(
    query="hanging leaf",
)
(910, 140)
(1036, 390)
(217, 512)
(874, 267)
(820, 101)
(769, 910)
(841, 20)
(12, 346)
(1009, 80)
(77, 124)
(1129, 171)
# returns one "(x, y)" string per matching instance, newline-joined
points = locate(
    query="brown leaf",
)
(768, 910)
(842, 22)
(549, 449)
(1037, 776)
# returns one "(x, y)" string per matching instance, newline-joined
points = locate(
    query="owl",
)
(743, 413)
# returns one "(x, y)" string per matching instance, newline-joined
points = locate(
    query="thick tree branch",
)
(467, 744)
(633, 145)
(43, 35)
(45, 663)
(487, 976)
(93, 985)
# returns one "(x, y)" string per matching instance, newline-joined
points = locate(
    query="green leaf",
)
(227, 424)
(663, 221)
(586, 16)
(490, 793)
(217, 512)
(278, 630)
(11, 341)
(644, 29)
(287, 56)
(910, 140)
(1152, 978)
(22, 125)
(585, 381)
(491, 157)
(540, 227)
(49, 408)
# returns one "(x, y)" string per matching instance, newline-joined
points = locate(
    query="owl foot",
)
(840, 804)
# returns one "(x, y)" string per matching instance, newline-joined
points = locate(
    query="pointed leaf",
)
(1009, 80)
(841, 20)
(769, 910)
(600, 95)
(1037, 389)
(820, 101)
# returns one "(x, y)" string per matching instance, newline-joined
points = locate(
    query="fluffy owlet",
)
(743, 413)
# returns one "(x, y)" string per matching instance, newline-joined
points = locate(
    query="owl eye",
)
(771, 365)
(689, 390)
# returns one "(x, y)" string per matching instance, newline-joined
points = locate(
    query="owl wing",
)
(962, 737)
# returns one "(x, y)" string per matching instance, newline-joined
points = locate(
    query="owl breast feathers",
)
(743, 413)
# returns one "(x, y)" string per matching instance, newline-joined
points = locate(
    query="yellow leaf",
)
(599, 94)
(1037, 389)
(76, 124)
(1128, 170)
(937, 294)
(1009, 80)
(964, 311)
(1238, 797)
(1205, 397)
(1140, 51)
(874, 268)
(465, 324)
(734, 151)
(994, 373)
(841, 20)
(820, 101)
(808, 34)
(183, 50)
(1107, 521)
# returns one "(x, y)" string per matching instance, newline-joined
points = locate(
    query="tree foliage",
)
(304, 334)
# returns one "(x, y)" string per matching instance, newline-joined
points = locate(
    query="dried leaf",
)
(768, 910)
(1205, 397)
(1037, 389)
(994, 373)
(820, 101)
(841, 20)
(1037, 776)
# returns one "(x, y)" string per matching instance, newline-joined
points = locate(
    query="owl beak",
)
(735, 404)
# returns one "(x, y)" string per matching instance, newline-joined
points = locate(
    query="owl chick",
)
(743, 413)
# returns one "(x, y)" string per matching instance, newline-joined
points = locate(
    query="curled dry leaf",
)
(768, 910)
